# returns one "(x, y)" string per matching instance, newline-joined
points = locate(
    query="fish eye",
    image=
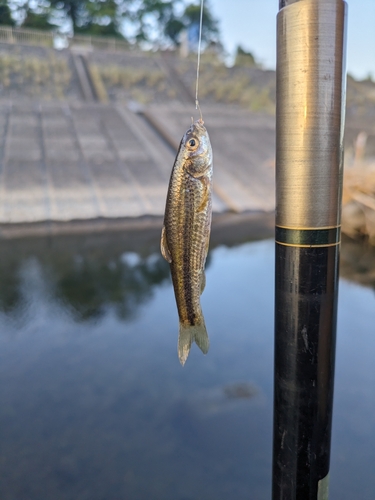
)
(193, 144)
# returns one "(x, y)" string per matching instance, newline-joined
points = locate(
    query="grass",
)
(225, 85)
(128, 78)
(140, 84)
(49, 77)
(358, 214)
(97, 81)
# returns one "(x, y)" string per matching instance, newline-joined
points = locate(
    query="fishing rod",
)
(309, 151)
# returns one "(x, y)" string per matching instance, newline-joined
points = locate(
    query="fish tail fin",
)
(189, 334)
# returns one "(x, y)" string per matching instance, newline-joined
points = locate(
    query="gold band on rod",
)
(316, 237)
(308, 246)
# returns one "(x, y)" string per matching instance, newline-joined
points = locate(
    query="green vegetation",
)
(140, 84)
(155, 22)
(50, 76)
(92, 17)
(37, 21)
(244, 58)
(170, 24)
(360, 96)
(6, 16)
(210, 30)
(229, 86)
(129, 77)
(97, 81)
(237, 90)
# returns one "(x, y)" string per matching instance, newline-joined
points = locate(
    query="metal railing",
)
(54, 39)
(26, 36)
(100, 43)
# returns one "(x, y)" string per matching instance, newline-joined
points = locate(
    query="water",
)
(95, 405)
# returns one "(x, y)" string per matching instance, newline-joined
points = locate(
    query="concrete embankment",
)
(63, 162)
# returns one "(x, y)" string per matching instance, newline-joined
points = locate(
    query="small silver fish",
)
(186, 233)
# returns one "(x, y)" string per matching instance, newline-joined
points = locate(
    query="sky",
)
(252, 24)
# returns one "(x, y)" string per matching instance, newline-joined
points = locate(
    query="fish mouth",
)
(197, 127)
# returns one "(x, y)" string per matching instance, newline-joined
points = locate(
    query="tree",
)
(244, 58)
(173, 28)
(37, 21)
(6, 16)
(153, 22)
(210, 31)
(74, 10)
(149, 18)
(38, 15)
(160, 22)
(99, 17)
(95, 17)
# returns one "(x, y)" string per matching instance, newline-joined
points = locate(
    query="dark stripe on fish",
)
(186, 259)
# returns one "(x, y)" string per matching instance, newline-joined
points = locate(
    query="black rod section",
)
(306, 305)
(309, 147)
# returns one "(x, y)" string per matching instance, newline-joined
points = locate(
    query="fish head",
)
(197, 148)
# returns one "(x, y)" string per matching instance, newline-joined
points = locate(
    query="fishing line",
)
(199, 61)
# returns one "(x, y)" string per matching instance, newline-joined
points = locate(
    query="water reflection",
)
(358, 261)
(90, 286)
(10, 289)
(87, 281)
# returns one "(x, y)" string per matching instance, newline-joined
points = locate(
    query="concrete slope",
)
(65, 162)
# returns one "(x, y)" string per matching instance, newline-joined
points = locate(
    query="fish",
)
(186, 233)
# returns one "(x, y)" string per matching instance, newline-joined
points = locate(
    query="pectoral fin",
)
(203, 281)
(206, 194)
(164, 246)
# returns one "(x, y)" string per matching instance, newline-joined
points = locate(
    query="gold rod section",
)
(310, 113)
